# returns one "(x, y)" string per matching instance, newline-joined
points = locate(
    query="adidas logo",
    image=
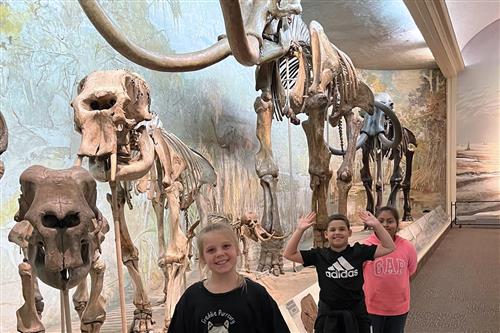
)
(341, 269)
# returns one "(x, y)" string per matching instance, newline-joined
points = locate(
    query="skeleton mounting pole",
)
(67, 315)
(116, 223)
(287, 104)
(61, 300)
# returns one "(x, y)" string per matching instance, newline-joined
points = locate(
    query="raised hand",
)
(306, 221)
(368, 218)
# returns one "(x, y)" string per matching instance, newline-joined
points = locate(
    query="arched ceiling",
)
(470, 17)
(377, 34)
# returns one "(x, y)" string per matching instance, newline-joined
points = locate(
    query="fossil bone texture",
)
(4, 140)
(111, 111)
(256, 34)
(59, 230)
(382, 129)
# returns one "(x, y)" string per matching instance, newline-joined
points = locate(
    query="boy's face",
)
(337, 234)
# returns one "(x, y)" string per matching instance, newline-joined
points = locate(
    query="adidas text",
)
(341, 275)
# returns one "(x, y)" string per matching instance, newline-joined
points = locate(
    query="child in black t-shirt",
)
(341, 305)
(225, 301)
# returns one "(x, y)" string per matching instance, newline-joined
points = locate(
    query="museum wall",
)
(48, 47)
(478, 124)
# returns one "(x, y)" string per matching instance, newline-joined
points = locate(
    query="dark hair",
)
(339, 217)
(393, 211)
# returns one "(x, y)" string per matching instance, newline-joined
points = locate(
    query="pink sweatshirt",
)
(387, 279)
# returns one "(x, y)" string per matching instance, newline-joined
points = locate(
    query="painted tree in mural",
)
(428, 105)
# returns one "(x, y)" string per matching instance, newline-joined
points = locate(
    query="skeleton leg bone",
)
(143, 322)
(367, 179)
(81, 297)
(159, 208)
(380, 182)
(94, 314)
(406, 187)
(396, 179)
(344, 173)
(176, 255)
(28, 320)
(319, 163)
(271, 256)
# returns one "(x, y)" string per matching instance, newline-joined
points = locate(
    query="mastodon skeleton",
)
(125, 144)
(380, 132)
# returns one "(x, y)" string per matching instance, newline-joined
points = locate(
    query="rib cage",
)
(198, 171)
(300, 36)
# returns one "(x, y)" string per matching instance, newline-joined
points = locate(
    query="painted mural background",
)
(478, 126)
(46, 47)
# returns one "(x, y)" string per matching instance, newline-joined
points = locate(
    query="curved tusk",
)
(396, 126)
(280, 237)
(259, 236)
(138, 169)
(173, 63)
(245, 47)
(386, 143)
(361, 140)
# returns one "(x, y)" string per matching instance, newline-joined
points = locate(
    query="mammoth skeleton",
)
(333, 85)
(378, 131)
(126, 144)
(252, 38)
(60, 230)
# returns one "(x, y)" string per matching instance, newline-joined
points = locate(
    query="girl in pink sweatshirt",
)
(387, 279)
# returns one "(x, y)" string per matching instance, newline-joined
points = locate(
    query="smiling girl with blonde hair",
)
(225, 301)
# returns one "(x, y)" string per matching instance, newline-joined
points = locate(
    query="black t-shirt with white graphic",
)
(247, 309)
(340, 274)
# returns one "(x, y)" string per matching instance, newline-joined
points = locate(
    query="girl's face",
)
(220, 253)
(388, 222)
(337, 234)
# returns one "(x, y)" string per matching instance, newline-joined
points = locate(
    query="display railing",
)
(476, 213)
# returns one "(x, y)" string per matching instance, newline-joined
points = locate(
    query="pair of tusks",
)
(134, 170)
(113, 162)
(261, 231)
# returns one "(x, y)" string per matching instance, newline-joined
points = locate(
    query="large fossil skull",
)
(59, 222)
(108, 110)
(252, 229)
